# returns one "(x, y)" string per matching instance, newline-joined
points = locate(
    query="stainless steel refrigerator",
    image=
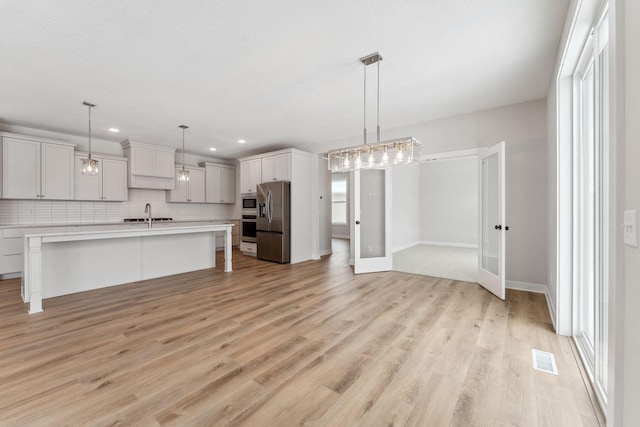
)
(273, 222)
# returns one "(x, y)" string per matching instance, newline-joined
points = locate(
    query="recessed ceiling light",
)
(241, 141)
(114, 130)
(212, 149)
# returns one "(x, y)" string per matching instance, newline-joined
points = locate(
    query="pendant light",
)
(401, 150)
(183, 175)
(89, 165)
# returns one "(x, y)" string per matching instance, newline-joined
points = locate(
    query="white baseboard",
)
(326, 252)
(405, 246)
(552, 309)
(426, 242)
(524, 286)
(341, 236)
(538, 289)
(453, 245)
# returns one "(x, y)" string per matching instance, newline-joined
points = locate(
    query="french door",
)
(491, 219)
(372, 217)
(590, 206)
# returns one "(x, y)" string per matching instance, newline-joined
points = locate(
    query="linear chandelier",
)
(381, 153)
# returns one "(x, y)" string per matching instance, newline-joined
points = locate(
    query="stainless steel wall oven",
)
(249, 218)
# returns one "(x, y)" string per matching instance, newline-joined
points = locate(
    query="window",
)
(339, 201)
(591, 181)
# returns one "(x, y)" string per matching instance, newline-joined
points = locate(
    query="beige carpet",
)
(438, 261)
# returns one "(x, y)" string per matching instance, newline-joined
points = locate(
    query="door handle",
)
(357, 222)
(498, 227)
(506, 228)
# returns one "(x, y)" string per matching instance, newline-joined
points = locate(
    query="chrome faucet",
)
(147, 210)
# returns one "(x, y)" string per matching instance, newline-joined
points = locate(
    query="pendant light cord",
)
(378, 106)
(183, 149)
(364, 123)
(89, 132)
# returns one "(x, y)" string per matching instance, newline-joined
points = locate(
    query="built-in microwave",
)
(249, 203)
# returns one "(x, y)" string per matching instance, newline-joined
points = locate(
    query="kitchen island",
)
(65, 260)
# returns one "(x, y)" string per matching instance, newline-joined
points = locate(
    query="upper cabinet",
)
(265, 168)
(110, 184)
(33, 169)
(250, 175)
(276, 168)
(191, 191)
(150, 166)
(220, 183)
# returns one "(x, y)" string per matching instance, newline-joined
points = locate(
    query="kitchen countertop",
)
(127, 224)
(66, 233)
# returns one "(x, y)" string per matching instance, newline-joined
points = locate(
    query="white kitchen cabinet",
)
(34, 169)
(220, 183)
(276, 168)
(297, 167)
(250, 175)
(110, 184)
(192, 191)
(150, 166)
(11, 251)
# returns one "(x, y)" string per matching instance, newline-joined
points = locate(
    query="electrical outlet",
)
(631, 228)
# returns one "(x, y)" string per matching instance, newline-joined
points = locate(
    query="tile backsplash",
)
(34, 212)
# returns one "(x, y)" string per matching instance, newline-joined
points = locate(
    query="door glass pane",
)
(587, 208)
(490, 204)
(372, 213)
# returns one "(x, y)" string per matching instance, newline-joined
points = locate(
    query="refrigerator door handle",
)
(269, 207)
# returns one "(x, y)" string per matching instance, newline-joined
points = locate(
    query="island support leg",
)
(34, 287)
(227, 250)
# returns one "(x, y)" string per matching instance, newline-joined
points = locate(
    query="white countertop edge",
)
(62, 236)
(111, 223)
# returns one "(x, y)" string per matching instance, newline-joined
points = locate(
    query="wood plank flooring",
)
(285, 345)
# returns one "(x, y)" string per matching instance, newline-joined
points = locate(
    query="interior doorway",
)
(446, 243)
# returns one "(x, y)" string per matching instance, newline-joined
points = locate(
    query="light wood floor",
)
(284, 345)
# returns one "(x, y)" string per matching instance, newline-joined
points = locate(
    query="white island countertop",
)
(109, 231)
(64, 260)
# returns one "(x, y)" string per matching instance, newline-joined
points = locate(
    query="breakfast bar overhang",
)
(61, 261)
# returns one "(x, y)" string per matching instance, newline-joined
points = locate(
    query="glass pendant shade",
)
(89, 166)
(183, 175)
(379, 155)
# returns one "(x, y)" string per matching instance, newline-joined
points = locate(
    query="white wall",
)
(526, 211)
(405, 199)
(449, 201)
(626, 124)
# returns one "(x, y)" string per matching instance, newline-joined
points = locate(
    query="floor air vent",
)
(543, 361)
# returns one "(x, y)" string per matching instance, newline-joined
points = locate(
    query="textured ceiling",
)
(276, 73)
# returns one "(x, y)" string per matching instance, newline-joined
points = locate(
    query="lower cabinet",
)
(235, 235)
(11, 251)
